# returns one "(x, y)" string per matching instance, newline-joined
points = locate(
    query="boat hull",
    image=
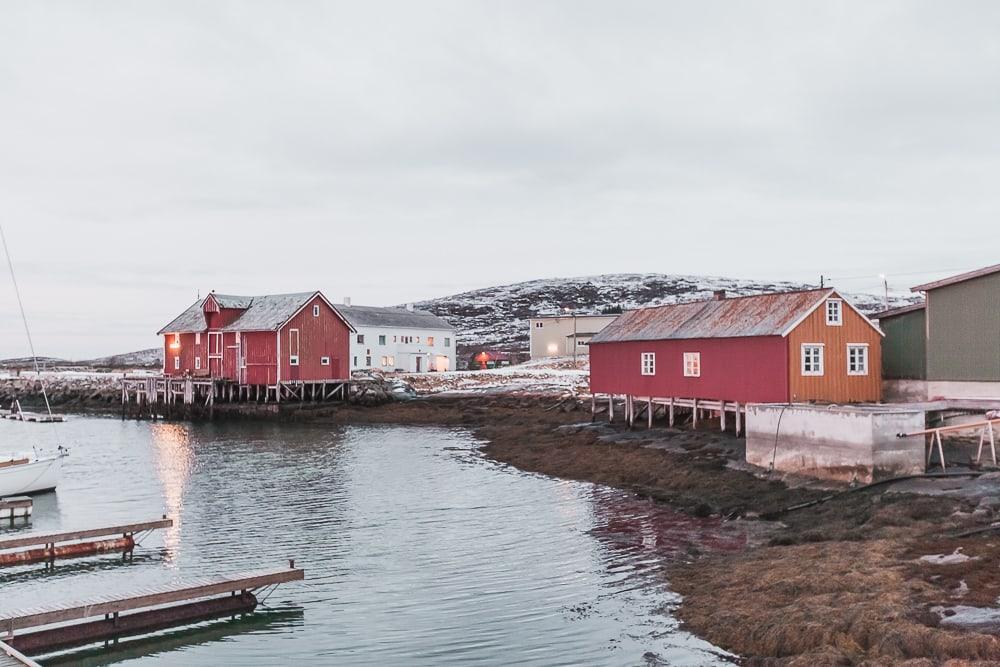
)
(34, 477)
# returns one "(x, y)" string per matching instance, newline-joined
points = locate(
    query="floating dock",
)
(16, 508)
(193, 601)
(38, 548)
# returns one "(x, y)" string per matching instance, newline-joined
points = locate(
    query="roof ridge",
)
(738, 298)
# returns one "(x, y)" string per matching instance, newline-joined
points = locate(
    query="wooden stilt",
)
(694, 415)
(649, 413)
(739, 419)
(670, 414)
(722, 416)
(611, 408)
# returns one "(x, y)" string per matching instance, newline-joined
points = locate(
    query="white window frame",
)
(821, 359)
(293, 360)
(316, 310)
(197, 363)
(382, 339)
(324, 361)
(865, 358)
(692, 364)
(837, 321)
(392, 361)
(647, 363)
(447, 342)
(197, 338)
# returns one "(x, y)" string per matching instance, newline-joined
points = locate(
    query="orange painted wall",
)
(835, 385)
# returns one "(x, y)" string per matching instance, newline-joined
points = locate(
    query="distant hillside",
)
(151, 358)
(497, 316)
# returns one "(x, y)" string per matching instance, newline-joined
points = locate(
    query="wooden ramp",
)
(193, 589)
(11, 658)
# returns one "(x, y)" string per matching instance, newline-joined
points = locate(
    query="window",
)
(381, 339)
(368, 361)
(355, 361)
(293, 347)
(692, 364)
(385, 361)
(293, 360)
(539, 325)
(430, 340)
(361, 339)
(197, 338)
(581, 341)
(834, 312)
(392, 361)
(649, 363)
(177, 363)
(197, 363)
(417, 339)
(316, 310)
(857, 359)
(812, 359)
(447, 342)
(324, 361)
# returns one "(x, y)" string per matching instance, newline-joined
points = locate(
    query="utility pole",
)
(885, 283)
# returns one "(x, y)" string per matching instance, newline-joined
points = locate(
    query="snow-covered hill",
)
(496, 317)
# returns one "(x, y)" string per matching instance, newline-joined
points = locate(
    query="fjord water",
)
(417, 549)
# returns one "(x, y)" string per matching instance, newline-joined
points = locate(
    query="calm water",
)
(417, 550)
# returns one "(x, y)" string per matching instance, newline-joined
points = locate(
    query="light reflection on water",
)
(417, 550)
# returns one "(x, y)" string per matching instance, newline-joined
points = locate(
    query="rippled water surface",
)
(417, 550)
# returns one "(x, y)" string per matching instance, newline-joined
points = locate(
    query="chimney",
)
(347, 300)
(719, 295)
(409, 307)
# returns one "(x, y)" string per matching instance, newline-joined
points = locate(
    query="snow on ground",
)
(540, 376)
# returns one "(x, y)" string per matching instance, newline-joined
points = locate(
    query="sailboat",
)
(29, 472)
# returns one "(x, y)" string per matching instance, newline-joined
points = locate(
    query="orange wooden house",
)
(786, 347)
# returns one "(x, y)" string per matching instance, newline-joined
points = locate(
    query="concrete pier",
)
(844, 443)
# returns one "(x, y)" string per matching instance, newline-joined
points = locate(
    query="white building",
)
(399, 339)
(558, 335)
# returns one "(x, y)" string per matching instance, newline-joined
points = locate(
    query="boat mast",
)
(24, 319)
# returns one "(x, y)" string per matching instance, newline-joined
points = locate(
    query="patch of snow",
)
(948, 559)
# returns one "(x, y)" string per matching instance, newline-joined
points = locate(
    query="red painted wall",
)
(260, 357)
(748, 370)
(223, 318)
(323, 336)
(187, 353)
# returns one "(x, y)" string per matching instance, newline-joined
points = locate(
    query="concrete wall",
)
(903, 391)
(840, 443)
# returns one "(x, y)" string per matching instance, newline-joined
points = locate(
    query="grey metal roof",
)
(760, 315)
(269, 312)
(392, 318)
(262, 313)
(190, 321)
(903, 310)
(960, 278)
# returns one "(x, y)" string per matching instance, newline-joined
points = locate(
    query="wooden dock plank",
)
(13, 620)
(10, 657)
(69, 536)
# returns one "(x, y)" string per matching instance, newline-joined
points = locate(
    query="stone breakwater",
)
(92, 391)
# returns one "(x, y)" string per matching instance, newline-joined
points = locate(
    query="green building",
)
(948, 346)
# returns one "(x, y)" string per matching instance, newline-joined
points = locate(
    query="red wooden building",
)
(271, 340)
(771, 348)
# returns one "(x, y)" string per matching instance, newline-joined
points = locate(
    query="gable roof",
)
(261, 313)
(740, 317)
(960, 278)
(394, 318)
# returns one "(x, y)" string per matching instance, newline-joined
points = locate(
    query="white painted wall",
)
(398, 355)
(548, 335)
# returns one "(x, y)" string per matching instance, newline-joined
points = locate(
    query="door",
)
(230, 358)
(419, 365)
(215, 353)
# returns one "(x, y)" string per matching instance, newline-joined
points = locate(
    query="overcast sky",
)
(400, 151)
